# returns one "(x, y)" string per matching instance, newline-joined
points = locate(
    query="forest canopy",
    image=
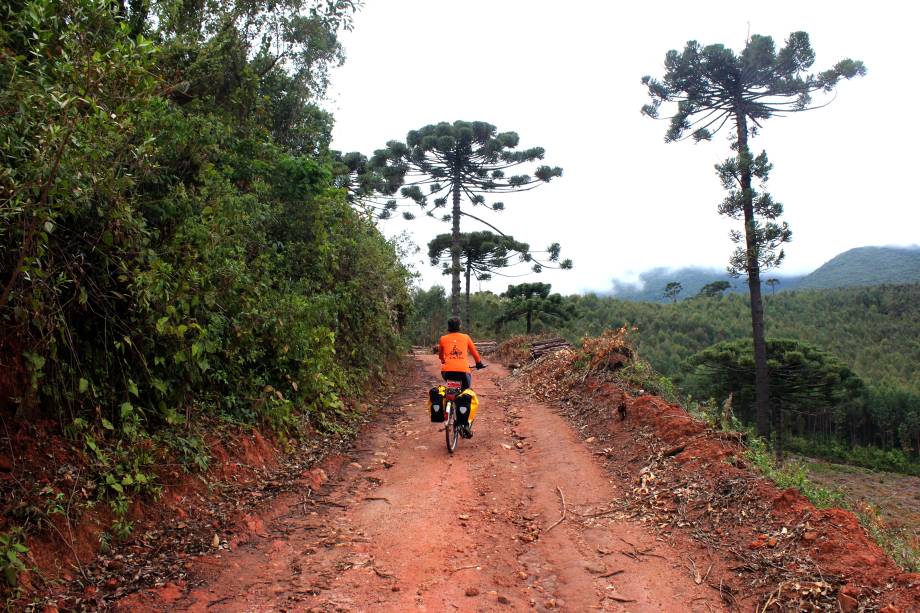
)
(867, 330)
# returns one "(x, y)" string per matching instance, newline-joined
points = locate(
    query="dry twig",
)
(559, 521)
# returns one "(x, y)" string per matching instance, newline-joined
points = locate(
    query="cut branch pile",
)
(610, 351)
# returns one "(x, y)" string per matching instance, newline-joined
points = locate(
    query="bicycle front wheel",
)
(451, 433)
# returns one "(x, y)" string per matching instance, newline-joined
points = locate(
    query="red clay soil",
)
(693, 484)
(517, 519)
(549, 507)
(40, 470)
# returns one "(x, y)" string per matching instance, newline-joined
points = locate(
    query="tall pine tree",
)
(713, 87)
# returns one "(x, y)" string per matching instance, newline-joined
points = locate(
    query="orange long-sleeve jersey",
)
(452, 349)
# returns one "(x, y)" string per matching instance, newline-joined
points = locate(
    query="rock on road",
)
(403, 526)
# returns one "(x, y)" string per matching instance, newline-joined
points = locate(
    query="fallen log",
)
(540, 348)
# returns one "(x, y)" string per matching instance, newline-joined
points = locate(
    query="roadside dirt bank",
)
(692, 484)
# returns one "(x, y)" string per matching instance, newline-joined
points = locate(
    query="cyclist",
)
(452, 349)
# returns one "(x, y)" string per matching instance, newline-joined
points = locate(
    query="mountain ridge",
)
(860, 266)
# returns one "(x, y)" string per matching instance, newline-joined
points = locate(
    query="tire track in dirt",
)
(402, 526)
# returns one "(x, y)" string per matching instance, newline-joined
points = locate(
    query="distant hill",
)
(867, 266)
(862, 266)
(651, 283)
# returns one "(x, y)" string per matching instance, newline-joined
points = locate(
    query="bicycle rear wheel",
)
(451, 433)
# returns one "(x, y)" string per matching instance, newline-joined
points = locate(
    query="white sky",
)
(566, 76)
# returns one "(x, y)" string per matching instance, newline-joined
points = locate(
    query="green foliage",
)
(713, 86)
(430, 311)
(672, 290)
(175, 250)
(812, 388)
(717, 288)
(870, 329)
(875, 458)
(791, 474)
(453, 161)
(481, 253)
(12, 551)
(530, 300)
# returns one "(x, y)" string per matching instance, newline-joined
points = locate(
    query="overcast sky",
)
(566, 76)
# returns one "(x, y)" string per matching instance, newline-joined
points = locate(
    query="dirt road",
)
(402, 526)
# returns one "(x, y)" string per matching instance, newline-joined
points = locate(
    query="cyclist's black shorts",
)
(465, 378)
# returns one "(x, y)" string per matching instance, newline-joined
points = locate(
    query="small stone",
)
(215, 542)
(395, 588)
(772, 542)
(472, 591)
(315, 478)
(550, 604)
(502, 599)
(522, 575)
(590, 439)
(890, 608)
(810, 535)
(355, 465)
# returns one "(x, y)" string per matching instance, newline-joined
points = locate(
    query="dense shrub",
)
(171, 241)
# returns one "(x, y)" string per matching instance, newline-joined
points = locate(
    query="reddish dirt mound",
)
(46, 486)
(694, 481)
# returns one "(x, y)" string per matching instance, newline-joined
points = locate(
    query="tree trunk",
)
(455, 256)
(467, 319)
(529, 317)
(761, 374)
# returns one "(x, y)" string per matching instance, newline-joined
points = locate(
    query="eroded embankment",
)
(692, 482)
(52, 498)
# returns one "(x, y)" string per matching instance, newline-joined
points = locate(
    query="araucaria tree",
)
(672, 289)
(484, 253)
(713, 87)
(533, 299)
(446, 162)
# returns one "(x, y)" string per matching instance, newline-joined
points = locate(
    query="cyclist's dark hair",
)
(453, 324)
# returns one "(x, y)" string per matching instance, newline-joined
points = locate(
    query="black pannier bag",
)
(464, 403)
(436, 404)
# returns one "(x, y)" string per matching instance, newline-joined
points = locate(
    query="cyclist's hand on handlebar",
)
(480, 365)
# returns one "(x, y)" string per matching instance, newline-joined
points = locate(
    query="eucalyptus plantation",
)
(447, 162)
(713, 86)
